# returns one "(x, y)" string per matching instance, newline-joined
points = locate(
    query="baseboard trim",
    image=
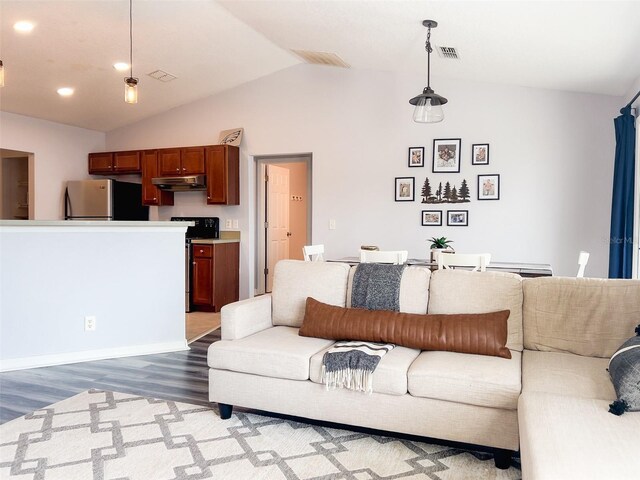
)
(86, 356)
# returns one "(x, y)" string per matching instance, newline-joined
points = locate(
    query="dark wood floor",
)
(179, 376)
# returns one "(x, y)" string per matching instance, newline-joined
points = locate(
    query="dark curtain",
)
(621, 246)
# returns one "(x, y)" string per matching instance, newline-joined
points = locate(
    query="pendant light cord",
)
(131, 38)
(429, 50)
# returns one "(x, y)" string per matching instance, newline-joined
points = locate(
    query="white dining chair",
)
(583, 258)
(477, 261)
(396, 257)
(313, 253)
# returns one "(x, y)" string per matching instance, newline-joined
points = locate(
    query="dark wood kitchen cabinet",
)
(215, 275)
(223, 175)
(181, 161)
(109, 163)
(152, 195)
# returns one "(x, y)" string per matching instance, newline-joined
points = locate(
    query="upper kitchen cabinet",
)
(223, 175)
(152, 195)
(181, 161)
(109, 163)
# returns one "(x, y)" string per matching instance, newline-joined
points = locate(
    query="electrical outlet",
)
(235, 224)
(227, 223)
(332, 224)
(89, 323)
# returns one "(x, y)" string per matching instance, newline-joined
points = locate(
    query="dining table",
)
(522, 269)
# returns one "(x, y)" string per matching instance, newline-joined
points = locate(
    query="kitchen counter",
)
(213, 241)
(91, 223)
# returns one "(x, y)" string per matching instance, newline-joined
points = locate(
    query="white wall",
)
(130, 278)
(554, 151)
(60, 154)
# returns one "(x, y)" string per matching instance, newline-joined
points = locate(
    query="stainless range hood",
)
(181, 184)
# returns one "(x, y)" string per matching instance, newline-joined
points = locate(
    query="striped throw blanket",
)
(350, 364)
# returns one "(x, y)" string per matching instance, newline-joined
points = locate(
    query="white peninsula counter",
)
(129, 276)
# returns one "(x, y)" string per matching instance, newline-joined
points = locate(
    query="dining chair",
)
(313, 253)
(478, 261)
(583, 258)
(396, 257)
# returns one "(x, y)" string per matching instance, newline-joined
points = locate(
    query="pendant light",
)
(428, 104)
(1, 74)
(131, 83)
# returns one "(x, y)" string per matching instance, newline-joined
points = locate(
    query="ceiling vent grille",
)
(162, 76)
(321, 58)
(448, 52)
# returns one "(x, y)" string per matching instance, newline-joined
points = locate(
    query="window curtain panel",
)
(621, 246)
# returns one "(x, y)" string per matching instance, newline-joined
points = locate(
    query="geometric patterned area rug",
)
(107, 435)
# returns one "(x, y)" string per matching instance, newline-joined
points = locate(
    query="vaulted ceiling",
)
(211, 46)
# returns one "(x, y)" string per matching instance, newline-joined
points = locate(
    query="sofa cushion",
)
(275, 352)
(563, 437)
(624, 369)
(566, 374)
(414, 289)
(295, 280)
(465, 378)
(479, 333)
(460, 291)
(587, 316)
(390, 376)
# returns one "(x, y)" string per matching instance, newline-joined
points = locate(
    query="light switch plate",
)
(332, 224)
(227, 223)
(235, 224)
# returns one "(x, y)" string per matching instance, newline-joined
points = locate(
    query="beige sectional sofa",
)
(561, 332)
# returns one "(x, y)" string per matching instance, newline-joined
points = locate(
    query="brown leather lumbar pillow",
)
(478, 333)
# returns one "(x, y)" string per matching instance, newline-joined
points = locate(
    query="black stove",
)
(205, 227)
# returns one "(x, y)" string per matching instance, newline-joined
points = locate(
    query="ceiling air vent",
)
(162, 76)
(448, 52)
(321, 58)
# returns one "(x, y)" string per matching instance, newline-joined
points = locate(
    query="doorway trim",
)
(260, 218)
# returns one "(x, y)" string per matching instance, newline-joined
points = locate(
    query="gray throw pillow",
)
(624, 370)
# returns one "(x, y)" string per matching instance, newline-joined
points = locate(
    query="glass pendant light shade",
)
(1, 74)
(131, 90)
(427, 112)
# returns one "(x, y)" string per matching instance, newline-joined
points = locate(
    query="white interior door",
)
(278, 231)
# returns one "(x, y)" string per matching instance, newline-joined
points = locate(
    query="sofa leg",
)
(225, 410)
(502, 459)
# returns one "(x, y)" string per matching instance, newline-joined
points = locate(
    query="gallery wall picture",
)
(445, 192)
(458, 218)
(446, 155)
(416, 157)
(432, 218)
(480, 154)
(405, 189)
(489, 187)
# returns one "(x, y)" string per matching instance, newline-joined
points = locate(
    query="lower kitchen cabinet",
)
(215, 275)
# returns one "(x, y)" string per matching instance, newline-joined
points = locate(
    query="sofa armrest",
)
(246, 317)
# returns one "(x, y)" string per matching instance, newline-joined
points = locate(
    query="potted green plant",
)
(440, 245)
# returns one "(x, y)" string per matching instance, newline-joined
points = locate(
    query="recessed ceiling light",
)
(65, 91)
(121, 66)
(23, 26)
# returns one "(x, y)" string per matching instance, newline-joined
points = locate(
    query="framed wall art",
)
(480, 154)
(416, 156)
(432, 218)
(458, 218)
(489, 187)
(446, 155)
(405, 189)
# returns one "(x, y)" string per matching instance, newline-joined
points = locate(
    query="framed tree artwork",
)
(458, 218)
(432, 218)
(489, 187)
(416, 156)
(405, 189)
(446, 155)
(480, 154)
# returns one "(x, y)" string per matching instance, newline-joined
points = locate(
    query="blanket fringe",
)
(353, 379)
